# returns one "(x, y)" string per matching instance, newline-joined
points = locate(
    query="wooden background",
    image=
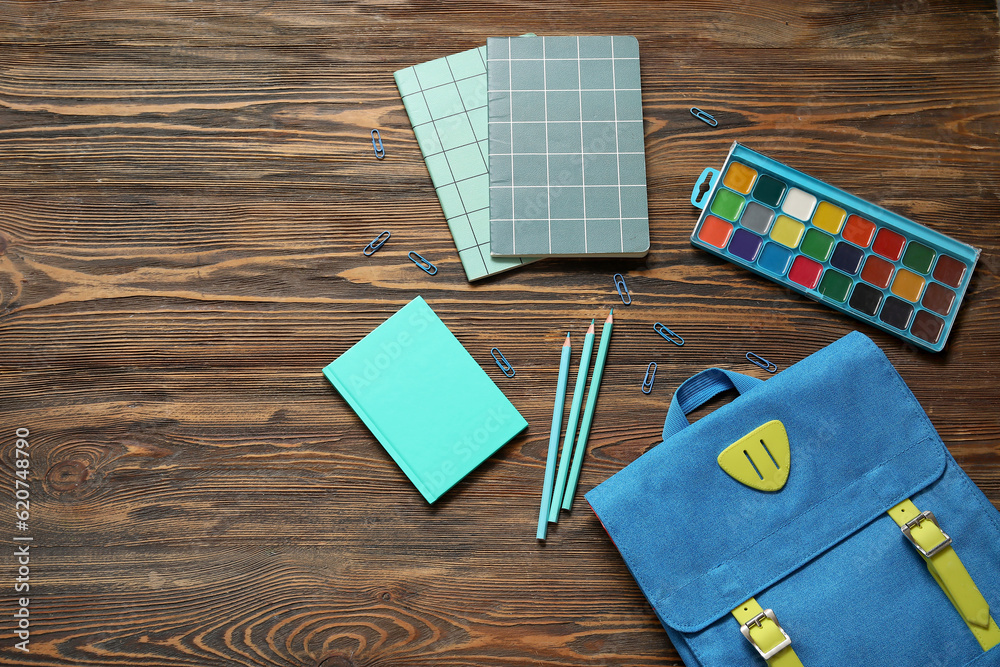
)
(185, 190)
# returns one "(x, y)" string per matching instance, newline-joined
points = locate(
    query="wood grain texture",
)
(185, 189)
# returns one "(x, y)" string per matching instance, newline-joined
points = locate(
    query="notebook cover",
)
(446, 102)
(566, 150)
(423, 396)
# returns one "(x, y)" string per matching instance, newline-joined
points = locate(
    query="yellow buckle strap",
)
(765, 634)
(934, 546)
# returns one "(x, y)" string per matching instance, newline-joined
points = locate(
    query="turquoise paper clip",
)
(379, 149)
(502, 362)
(647, 381)
(376, 243)
(622, 289)
(422, 262)
(668, 334)
(762, 362)
(704, 116)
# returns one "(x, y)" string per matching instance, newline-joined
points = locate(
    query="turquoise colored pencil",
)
(574, 419)
(588, 412)
(550, 461)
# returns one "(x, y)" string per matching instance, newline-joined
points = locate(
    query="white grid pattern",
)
(465, 221)
(507, 183)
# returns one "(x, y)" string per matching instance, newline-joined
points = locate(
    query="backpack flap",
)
(702, 534)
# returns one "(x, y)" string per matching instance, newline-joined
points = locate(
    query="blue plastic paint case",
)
(845, 252)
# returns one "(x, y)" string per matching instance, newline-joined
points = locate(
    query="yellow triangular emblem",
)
(760, 459)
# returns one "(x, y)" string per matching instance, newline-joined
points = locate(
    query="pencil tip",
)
(567, 340)
(611, 316)
(590, 329)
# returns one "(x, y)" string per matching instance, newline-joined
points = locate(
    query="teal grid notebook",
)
(446, 102)
(426, 400)
(566, 151)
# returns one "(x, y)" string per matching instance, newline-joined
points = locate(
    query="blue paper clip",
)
(502, 362)
(379, 150)
(703, 116)
(424, 265)
(647, 382)
(668, 334)
(376, 243)
(622, 289)
(762, 362)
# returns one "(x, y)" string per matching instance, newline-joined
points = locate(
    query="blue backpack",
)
(817, 519)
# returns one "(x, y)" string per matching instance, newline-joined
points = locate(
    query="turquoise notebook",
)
(446, 102)
(433, 408)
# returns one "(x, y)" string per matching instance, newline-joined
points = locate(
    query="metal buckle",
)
(916, 521)
(756, 620)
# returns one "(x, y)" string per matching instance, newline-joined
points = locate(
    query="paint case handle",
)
(699, 195)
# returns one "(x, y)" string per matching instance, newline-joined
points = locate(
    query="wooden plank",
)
(185, 190)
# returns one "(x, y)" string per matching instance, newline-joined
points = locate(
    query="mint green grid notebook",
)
(433, 408)
(566, 147)
(446, 102)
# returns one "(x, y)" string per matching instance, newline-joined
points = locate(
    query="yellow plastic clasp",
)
(760, 459)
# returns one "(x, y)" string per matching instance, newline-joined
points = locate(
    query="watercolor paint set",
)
(828, 245)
